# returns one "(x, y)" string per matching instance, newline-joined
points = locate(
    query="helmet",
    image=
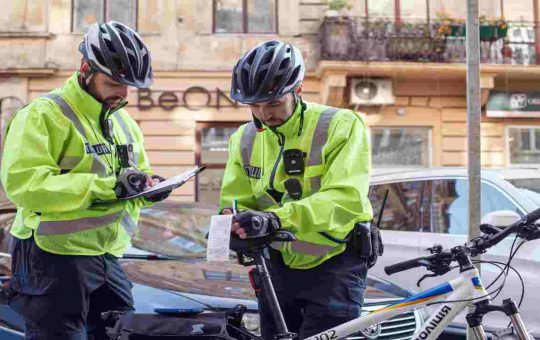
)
(267, 72)
(118, 51)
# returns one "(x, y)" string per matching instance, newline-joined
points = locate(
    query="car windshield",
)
(173, 229)
(529, 186)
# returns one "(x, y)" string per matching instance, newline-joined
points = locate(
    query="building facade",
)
(399, 62)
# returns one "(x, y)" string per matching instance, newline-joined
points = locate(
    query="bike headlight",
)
(252, 322)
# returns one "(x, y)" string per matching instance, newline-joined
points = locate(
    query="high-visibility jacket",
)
(57, 164)
(334, 183)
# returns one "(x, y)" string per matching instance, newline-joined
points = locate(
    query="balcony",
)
(369, 40)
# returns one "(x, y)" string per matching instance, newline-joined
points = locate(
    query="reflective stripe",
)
(310, 248)
(320, 136)
(98, 166)
(73, 226)
(68, 112)
(304, 247)
(127, 133)
(69, 162)
(315, 183)
(128, 224)
(247, 141)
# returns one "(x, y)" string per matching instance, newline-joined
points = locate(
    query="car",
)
(167, 265)
(425, 207)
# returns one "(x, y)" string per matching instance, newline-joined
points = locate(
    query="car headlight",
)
(252, 322)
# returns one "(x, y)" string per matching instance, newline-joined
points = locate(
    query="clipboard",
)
(168, 184)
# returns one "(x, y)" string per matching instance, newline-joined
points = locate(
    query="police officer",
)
(68, 157)
(303, 167)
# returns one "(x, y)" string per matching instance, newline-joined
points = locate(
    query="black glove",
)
(130, 182)
(257, 224)
(162, 195)
(377, 246)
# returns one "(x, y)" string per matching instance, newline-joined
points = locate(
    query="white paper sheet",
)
(219, 236)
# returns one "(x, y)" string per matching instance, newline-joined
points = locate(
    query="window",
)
(450, 200)
(524, 145)
(87, 12)
(403, 209)
(212, 139)
(245, 16)
(401, 146)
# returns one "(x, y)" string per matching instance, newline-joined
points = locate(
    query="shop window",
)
(87, 12)
(245, 16)
(401, 146)
(524, 145)
(212, 141)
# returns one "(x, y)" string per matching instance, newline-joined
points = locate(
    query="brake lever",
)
(425, 277)
(529, 233)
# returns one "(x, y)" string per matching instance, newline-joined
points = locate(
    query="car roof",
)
(380, 175)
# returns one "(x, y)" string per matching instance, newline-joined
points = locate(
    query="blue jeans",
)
(62, 296)
(316, 299)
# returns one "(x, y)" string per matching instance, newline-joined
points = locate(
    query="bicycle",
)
(454, 296)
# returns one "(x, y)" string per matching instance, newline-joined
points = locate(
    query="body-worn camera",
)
(293, 161)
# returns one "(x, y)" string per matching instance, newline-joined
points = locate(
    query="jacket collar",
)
(81, 99)
(291, 127)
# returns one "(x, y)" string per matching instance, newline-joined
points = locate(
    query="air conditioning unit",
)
(372, 92)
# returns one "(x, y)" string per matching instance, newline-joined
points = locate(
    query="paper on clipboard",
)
(168, 184)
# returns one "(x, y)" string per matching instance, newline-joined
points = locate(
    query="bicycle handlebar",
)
(406, 265)
(474, 247)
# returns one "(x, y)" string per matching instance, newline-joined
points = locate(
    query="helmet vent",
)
(284, 64)
(293, 78)
(250, 59)
(98, 55)
(260, 78)
(267, 58)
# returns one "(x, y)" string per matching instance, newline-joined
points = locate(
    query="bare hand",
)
(151, 182)
(235, 228)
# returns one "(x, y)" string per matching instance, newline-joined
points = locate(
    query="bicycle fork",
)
(508, 307)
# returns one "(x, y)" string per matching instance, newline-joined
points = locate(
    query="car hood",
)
(217, 284)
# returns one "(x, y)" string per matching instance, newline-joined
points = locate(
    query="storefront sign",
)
(514, 104)
(193, 98)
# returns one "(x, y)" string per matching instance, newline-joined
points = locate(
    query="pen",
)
(234, 206)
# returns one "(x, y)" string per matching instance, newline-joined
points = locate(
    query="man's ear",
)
(85, 68)
(299, 89)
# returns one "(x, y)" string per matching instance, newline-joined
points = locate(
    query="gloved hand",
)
(256, 223)
(377, 246)
(130, 182)
(161, 196)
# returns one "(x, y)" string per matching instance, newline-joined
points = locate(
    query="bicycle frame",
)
(465, 287)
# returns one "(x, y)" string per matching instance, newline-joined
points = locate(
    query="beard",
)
(110, 102)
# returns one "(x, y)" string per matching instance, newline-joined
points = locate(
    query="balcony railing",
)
(347, 38)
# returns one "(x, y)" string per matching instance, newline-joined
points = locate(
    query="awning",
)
(513, 104)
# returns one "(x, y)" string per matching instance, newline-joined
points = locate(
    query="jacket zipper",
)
(281, 139)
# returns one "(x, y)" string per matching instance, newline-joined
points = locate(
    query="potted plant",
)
(448, 26)
(335, 7)
(491, 30)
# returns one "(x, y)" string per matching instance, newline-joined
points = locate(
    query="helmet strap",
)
(298, 98)
(257, 123)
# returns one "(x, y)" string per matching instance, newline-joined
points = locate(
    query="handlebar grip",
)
(402, 266)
